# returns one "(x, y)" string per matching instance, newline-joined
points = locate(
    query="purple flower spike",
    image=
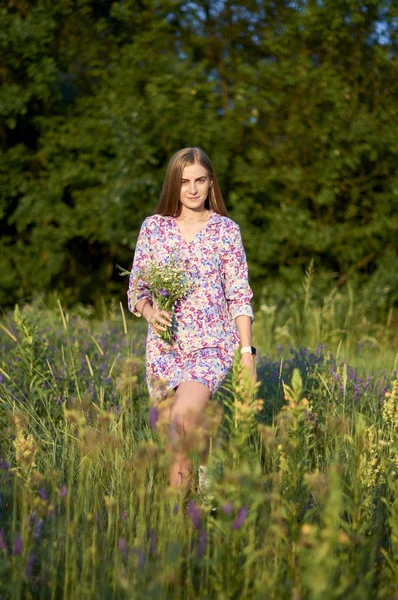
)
(164, 293)
(240, 518)
(63, 491)
(202, 544)
(152, 541)
(153, 416)
(29, 565)
(17, 549)
(43, 494)
(38, 528)
(194, 513)
(3, 543)
(141, 559)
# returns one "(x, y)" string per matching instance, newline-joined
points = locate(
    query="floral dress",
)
(205, 333)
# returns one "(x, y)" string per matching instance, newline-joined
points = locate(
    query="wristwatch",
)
(249, 350)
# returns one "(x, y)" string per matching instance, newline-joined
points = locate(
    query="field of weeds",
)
(304, 473)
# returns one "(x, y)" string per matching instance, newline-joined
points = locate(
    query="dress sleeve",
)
(138, 288)
(238, 293)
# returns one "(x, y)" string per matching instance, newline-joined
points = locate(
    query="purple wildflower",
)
(43, 494)
(351, 372)
(31, 520)
(4, 464)
(163, 292)
(202, 544)
(153, 416)
(240, 518)
(151, 536)
(123, 515)
(29, 565)
(63, 491)
(38, 528)
(175, 509)
(194, 513)
(17, 549)
(3, 543)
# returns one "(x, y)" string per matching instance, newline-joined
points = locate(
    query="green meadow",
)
(295, 103)
(302, 500)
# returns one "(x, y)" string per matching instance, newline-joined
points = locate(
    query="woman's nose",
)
(192, 187)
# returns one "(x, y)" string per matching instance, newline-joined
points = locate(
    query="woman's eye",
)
(185, 182)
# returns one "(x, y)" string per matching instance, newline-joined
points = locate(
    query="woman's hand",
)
(159, 320)
(247, 361)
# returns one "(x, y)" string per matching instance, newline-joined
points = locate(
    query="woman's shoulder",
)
(227, 224)
(154, 221)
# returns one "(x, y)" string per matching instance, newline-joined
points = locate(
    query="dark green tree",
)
(295, 102)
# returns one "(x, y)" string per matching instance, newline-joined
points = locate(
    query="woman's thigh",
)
(190, 400)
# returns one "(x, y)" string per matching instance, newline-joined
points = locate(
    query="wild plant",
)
(303, 470)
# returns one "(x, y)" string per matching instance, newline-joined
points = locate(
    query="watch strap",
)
(249, 350)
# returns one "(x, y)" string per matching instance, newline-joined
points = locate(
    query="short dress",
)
(205, 335)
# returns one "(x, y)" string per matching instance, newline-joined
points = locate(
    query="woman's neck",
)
(193, 215)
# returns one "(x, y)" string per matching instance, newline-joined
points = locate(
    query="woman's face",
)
(195, 186)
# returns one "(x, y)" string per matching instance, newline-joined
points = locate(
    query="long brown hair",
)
(169, 201)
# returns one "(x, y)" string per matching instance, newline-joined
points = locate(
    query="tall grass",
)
(304, 468)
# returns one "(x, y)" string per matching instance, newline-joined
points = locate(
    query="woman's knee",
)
(187, 412)
(182, 420)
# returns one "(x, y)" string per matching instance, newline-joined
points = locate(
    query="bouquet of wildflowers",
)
(167, 283)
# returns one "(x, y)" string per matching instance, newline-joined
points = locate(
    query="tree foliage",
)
(295, 103)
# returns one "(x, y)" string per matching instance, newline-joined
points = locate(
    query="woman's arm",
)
(139, 295)
(244, 325)
(138, 290)
(145, 308)
(158, 319)
(238, 292)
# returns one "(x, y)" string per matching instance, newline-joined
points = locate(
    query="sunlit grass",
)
(304, 470)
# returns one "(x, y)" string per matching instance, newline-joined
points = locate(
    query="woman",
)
(215, 317)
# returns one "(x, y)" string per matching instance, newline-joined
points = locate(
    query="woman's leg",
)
(190, 398)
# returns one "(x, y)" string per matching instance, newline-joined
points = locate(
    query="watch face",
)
(254, 351)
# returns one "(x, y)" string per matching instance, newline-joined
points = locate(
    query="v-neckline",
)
(196, 234)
